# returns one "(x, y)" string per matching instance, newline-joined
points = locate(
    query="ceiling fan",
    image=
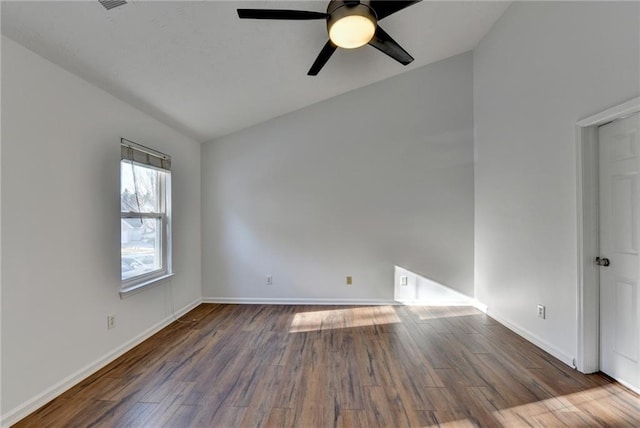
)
(350, 24)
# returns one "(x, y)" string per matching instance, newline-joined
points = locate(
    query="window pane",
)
(139, 188)
(141, 243)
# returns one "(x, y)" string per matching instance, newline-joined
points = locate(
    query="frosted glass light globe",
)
(352, 31)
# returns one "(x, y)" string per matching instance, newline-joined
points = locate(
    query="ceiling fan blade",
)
(280, 14)
(384, 43)
(385, 8)
(326, 52)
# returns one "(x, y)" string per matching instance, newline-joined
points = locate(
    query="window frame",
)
(137, 282)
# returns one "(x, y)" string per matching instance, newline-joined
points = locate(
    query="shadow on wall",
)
(411, 288)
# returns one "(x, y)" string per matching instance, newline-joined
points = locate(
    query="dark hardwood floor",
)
(317, 366)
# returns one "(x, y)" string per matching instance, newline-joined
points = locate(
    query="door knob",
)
(602, 261)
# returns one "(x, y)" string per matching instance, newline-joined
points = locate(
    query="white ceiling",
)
(199, 68)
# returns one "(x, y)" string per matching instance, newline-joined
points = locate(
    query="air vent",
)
(110, 4)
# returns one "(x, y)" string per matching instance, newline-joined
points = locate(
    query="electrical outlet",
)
(404, 280)
(111, 322)
(269, 280)
(349, 280)
(541, 311)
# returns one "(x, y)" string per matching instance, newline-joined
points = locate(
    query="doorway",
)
(589, 246)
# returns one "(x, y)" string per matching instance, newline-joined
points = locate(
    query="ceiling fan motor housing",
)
(339, 9)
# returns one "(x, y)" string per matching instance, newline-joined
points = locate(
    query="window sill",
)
(130, 290)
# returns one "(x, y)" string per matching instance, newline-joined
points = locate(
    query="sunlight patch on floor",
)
(570, 408)
(434, 312)
(343, 318)
(590, 407)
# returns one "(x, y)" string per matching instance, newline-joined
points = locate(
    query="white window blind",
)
(142, 155)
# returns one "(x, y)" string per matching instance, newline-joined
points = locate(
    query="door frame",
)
(588, 313)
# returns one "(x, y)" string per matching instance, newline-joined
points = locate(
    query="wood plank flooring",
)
(337, 366)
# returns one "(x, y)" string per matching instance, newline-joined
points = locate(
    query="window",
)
(145, 221)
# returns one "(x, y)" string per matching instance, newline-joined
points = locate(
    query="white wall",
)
(542, 67)
(355, 185)
(61, 225)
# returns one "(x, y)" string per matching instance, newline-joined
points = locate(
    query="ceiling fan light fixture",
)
(351, 26)
(352, 31)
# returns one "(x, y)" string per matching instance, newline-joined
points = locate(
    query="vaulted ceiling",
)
(199, 68)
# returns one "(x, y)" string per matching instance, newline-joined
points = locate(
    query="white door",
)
(619, 228)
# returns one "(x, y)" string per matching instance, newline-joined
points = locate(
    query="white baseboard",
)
(481, 306)
(23, 410)
(545, 346)
(446, 302)
(629, 386)
(356, 302)
(300, 301)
